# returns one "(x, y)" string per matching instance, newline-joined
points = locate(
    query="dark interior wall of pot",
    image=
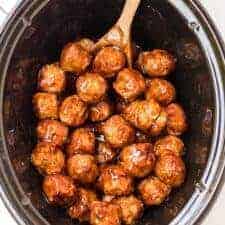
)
(157, 25)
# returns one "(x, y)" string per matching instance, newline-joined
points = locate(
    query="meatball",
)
(159, 124)
(177, 122)
(74, 58)
(131, 207)
(52, 131)
(51, 78)
(47, 158)
(82, 168)
(45, 105)
(91, 87)
(138, 159)
(105, 213)
(73, 111)
(170, 169)
(118, 132)
(114, 180)
(153, 191)
(105, 153)
(59, 189)
(161, 90)
(109, 61)
(81, 208)
(169, 143)
(82, 140)
(142, 113)
(129, 84)
(157, 63)
(86, 44)
(100, 112)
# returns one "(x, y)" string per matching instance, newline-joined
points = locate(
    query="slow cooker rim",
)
(6, 193)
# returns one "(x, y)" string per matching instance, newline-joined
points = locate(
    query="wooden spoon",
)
(120, 34)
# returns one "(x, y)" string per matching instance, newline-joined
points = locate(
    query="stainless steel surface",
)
(216, 10)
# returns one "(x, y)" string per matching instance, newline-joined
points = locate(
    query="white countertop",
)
(216, 11)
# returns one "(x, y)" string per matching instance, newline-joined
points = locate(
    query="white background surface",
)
(217, 213)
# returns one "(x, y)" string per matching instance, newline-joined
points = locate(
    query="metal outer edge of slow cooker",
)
(193, 13)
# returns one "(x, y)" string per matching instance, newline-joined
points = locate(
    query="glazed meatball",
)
(177, 122)
(100, 112)
(158, 125)
(45, 105)
(109, 61)
(91, 87)
(131, 207)
(74, 58)
(114, 180)
(81, 208)
(86, 44)
(142, 113)
(118, 132)
(105, 153)
(104, 213)
(169, 143)
(157, 63)
(82, 168)
(73, 111)
(47, 158)
(51, 78)
(59, 189)
(129, 84)
(161, 90)
(153, 191)
(82, 140)
(52, 131)
(170, 169)
(138, 159)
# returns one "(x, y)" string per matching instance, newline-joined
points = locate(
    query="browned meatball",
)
(159, 124)
(74, 58)
(161, 90)
(169, 143)
(170, 169)
(73, 111)
(153, 191)
(100, 112)
(52, 131)
(131, 207)
(177, 122)
(59, 189)
(45, 105)
(91, 87)
(82, 168)
(82, 140)
(47, 158)
(109, 61)
(86, 44)
(118, 132)
(157, 63)
(51, 78)
(81, 208)
(138, 159)
(104, 213)
(129, 84)
(105, 153)
(114, 180)
(142, 113)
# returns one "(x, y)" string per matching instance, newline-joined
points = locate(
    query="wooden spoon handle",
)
(127, 16)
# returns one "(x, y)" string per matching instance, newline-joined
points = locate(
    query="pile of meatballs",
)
(112, 147)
